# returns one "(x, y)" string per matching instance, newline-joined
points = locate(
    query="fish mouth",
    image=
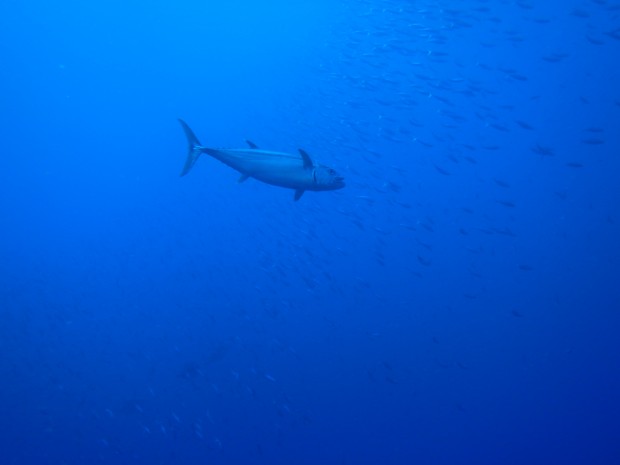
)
(339, 182)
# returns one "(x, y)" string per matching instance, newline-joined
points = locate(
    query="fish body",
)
(292, 171)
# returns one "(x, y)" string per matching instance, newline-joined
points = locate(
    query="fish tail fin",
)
(194, 148)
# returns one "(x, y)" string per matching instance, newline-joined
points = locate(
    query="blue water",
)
(458, 302)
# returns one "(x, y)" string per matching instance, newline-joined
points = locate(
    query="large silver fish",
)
(297, 172)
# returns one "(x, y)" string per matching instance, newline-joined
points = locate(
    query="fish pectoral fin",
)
(306, 158)
(251, 144)
(242, 178)
(298, 194)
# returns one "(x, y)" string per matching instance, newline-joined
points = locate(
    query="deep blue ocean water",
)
(458, 302)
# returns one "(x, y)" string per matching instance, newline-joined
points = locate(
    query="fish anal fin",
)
(251, 144)
(242, 178)
(298, 194)
(306, 158)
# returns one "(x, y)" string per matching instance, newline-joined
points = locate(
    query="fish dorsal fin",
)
(298, 194)
(243, 177)
(251, 144)
(307, 160)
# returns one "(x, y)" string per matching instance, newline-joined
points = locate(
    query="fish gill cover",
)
(457, 302)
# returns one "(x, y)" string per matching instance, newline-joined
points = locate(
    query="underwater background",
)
(457, 302)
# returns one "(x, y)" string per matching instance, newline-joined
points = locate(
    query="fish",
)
(297, 172)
